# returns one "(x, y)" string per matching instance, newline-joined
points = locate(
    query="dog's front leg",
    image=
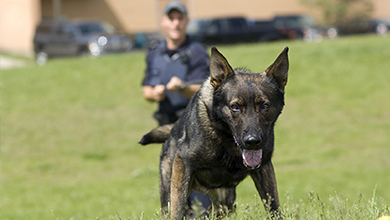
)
(265, 182)
(179, 188)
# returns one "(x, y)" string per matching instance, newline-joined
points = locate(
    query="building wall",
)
(261, 9)
(144, 16)
(18, 18)
(381, 9)
(128, 15)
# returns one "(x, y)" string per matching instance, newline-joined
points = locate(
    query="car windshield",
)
(196, 26)
(295, 21)
(237, 22)
(92, 28)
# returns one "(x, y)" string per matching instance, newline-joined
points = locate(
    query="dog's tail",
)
(157, 135)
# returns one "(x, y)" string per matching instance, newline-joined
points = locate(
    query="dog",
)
(225, 134)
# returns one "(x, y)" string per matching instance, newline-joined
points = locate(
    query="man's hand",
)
(174, 84)
(159, 93)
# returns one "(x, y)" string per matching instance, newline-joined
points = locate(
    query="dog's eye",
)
(235, 107)
(265, 107)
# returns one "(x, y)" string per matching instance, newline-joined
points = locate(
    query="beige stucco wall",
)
(128, 15)
(249, 8)
(18, 19)
(382, 9)
(137, 16)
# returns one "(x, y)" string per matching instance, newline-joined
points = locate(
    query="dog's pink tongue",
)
(252, 158)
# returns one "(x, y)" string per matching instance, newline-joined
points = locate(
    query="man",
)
(174, 65)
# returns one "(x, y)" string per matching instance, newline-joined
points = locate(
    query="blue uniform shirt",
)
(189, 62)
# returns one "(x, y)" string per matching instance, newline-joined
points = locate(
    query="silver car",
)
(73, 38)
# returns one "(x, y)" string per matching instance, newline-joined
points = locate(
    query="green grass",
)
(69, 133)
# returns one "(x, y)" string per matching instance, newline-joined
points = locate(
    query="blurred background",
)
(70, 129)
(212, 21)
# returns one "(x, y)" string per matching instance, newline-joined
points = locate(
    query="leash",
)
(194, 82)
(191, 82)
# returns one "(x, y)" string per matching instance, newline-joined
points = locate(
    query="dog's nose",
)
(252, 140)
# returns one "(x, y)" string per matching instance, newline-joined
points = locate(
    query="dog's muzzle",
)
(251, 158)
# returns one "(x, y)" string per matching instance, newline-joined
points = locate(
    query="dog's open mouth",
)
(252, 158)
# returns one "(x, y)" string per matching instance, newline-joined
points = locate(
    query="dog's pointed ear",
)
(219, 68)
(279, 69)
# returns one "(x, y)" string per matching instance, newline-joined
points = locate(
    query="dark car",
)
(363, 26)
(219, 30)
(72, 38)
(231, 30)
(146, 40)
(302, 27)
(264, 30)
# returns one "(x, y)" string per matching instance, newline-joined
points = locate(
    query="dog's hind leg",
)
(179, 188)
(165, 182)
(265, 182)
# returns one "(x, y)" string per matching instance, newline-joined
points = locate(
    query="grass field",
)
(69, 133)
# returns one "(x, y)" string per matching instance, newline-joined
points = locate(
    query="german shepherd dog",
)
(225, 134)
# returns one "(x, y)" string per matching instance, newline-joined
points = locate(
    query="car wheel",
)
(382, 29)
(332, 33)
(41, 57)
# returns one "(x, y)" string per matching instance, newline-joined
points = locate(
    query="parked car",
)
(264, 30)
(72, 38)
(219, 30)
(146, 40)
(240, 29)
(302, 27)
(362, 26)
(231, 30)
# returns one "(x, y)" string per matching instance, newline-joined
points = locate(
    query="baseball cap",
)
(175, 5)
